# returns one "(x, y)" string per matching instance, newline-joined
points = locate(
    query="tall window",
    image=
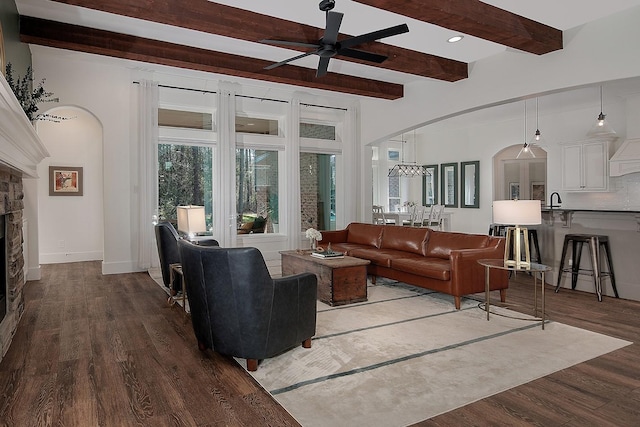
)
(256, 191)
(318, 191)
(184, 178)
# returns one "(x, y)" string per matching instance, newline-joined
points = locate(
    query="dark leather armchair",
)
(238, 310)
(167, 241)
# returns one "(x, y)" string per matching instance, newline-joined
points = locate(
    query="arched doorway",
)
(523, 177)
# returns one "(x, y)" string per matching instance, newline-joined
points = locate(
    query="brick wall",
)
(11, 205)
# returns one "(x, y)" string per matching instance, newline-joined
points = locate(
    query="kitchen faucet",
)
(551, 206)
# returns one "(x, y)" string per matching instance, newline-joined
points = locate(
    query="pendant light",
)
(601, 127)
(409, 170)
(537, 137)
(526, 147)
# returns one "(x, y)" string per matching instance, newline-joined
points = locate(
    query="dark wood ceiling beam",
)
(100, 42)
(214, 18)
(478, 19)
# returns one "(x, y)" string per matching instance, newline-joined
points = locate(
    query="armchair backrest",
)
(230, 295)
(167, 242)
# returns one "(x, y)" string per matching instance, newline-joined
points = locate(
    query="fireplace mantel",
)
(20, 146)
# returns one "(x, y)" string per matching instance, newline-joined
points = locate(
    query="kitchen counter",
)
(622, 226)
(566, 214)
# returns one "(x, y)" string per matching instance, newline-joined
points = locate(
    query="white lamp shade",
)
(517, 212)
(191, 219)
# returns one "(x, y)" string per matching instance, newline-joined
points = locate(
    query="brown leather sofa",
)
(439, 260)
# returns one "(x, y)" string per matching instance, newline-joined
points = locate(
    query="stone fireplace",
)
(20, 152)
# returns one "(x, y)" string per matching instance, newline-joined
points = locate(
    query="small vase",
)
(314, 244)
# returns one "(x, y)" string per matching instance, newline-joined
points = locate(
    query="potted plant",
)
(29, 96)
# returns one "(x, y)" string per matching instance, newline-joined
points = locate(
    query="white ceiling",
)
(358, 19)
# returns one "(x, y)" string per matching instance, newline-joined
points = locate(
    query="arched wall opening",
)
(70, 224)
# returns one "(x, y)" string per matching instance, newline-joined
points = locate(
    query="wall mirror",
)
(430, 185)
(470, 177)
(449, 184)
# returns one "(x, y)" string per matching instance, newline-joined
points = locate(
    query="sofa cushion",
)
(345, 248)
(382, 257)
(441, 243)
(407, 239)
(364, 234)
(435, 268)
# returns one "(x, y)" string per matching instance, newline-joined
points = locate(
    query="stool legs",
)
(594, 249)
(594, 242)
(562, 258)
(607, 250)
(575, 267)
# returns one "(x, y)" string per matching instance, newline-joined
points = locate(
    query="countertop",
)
(561, 209)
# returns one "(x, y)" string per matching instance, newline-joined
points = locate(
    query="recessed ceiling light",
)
(455, 39)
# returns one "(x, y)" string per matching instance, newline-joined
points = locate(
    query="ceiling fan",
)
(329, 46)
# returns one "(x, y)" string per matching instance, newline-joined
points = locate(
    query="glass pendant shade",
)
(601, 127)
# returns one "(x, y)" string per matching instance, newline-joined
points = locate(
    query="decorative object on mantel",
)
(601, 127)
(313, 235)
(29, 97)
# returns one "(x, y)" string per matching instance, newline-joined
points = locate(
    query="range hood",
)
(627, 159)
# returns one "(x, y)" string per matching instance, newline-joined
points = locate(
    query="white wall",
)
(105, 92)
(71, 227)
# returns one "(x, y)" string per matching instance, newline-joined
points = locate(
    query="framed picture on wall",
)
(65, 181)
(514, 190)
(538, 191)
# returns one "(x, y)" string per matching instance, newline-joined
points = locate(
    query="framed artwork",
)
(65, 181)
(470, 177)
(430, 185)
(449, 184)
(538, 191)
(514, 190)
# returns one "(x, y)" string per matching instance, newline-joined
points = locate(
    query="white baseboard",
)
(57, 258)
(120, 267)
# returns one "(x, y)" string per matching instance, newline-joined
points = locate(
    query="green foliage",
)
(29, 96)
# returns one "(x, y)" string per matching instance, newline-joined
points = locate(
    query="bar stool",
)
(594, 241)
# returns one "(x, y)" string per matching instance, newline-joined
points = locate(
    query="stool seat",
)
(594, 241)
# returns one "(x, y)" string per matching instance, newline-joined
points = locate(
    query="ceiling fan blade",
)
(288, 43)
(334, 19)
(322, 66)
(277, 64)
(375, 35)
(361, 54)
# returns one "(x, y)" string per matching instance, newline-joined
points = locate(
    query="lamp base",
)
(513, 250)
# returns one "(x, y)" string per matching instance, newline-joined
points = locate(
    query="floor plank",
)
(108, 350)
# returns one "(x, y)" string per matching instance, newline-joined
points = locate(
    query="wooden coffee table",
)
(340, 280)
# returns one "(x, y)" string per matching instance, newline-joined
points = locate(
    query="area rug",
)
(407, 355)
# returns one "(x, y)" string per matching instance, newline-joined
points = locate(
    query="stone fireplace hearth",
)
(20, 152)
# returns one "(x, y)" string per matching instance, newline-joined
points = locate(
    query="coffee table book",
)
(327, 254)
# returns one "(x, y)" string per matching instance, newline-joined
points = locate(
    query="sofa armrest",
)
(467, 276)
(334, 236)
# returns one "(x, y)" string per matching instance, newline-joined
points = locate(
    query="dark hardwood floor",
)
(108, 350)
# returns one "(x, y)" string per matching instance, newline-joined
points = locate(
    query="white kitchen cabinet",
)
(585, 166)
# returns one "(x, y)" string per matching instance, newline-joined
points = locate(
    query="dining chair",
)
(435, 217)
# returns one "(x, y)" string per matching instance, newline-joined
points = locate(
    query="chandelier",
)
(409, 170)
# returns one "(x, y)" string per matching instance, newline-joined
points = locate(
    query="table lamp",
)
(516, 213)
(191, 220)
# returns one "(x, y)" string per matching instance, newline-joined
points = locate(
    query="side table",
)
(533, 268)
(176, 271)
